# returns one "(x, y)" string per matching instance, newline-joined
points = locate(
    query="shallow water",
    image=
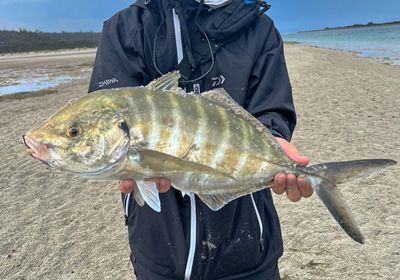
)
(34, 84)
(380, 42)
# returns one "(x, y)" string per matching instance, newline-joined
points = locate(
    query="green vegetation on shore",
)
(26, 41)
(369, 24)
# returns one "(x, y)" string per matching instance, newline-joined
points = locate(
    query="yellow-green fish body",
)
(205, 144)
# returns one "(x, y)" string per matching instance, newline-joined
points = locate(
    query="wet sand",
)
(56, 226)
(42, 58)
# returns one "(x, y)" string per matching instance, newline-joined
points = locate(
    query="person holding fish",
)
(227, 44)
(196, 161)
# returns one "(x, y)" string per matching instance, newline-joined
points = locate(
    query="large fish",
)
(207, 145)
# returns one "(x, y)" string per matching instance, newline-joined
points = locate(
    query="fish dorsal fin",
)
(167, 82)
(222, 98)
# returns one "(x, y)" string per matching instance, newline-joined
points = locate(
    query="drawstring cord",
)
(186, 79)
(187, 44)
(154, 46)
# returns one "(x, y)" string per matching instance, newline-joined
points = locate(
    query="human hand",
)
(295, 187)
(128, 185)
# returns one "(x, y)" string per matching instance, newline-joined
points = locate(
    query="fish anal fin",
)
(217, 201)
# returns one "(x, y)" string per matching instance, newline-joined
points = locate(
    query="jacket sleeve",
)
(270, 93)
(119, 58)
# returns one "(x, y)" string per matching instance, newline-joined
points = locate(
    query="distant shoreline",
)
(21, 41)
(369, 24)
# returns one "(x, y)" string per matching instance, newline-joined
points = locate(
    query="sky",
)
(289, 15)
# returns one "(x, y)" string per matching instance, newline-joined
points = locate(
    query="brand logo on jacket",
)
(107, 82)
(218, 81)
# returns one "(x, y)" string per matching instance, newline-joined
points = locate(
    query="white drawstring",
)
(259, 218)
(193, 227)
(126, 203)
(178, 36)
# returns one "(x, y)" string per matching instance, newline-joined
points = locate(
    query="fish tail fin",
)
(325, 185)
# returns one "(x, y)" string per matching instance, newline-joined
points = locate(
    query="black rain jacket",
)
(137, 45)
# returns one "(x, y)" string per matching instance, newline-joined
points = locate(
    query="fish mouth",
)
(36, 149)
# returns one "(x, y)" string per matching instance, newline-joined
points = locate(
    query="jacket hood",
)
(220, 24)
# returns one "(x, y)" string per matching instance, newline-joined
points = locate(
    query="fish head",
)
(80, 140)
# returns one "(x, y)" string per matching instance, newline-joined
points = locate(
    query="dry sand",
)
(56, 226)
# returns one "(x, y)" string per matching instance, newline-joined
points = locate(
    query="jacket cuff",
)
(277, 125)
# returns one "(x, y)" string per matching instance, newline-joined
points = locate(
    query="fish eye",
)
(73, 131)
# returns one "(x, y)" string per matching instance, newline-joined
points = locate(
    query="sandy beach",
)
(57, 226)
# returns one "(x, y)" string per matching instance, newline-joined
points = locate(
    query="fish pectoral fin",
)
(138, 197)
(161, 164)
(217, 201)
(149, 192)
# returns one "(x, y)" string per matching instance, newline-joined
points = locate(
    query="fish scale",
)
(173, 132)
(177, 131)
(155, 122)
(201, 133)
(243, 162)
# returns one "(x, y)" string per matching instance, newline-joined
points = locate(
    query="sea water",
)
(34, 84)
(380, 42)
